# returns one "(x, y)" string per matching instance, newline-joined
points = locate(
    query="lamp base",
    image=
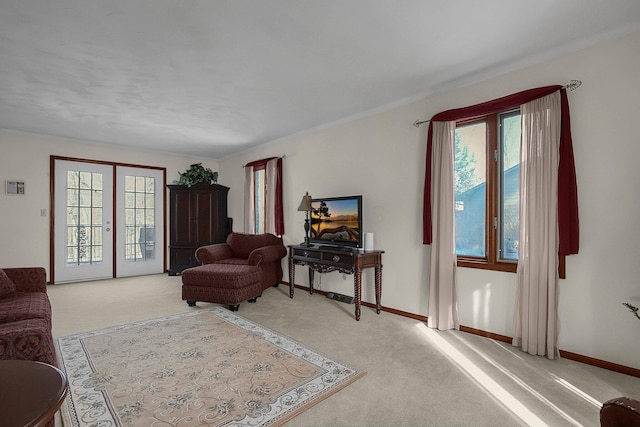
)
(306, 243)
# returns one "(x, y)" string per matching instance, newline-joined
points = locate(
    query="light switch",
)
(43, 212)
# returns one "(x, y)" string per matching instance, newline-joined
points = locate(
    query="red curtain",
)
(568, 224)
(278, 200)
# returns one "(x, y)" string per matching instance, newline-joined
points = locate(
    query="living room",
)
(381, 156)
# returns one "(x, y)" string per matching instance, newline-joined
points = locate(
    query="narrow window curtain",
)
(273, 196)
(443, 306)
(249, 200)
(536, 311)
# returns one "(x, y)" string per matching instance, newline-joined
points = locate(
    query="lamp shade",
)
(305, 203)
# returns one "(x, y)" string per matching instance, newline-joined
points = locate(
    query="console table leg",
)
(292, 278)
(357, 290)
(311, 276)
(378, 269)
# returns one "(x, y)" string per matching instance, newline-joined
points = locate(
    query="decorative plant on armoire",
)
(197, 174)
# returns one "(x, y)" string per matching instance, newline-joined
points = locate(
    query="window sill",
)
(509, 267)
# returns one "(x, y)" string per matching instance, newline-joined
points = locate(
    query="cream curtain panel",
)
(536, 311)
(249, 201)
(270, 195)
(443, 306)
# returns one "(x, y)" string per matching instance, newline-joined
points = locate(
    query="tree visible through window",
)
(486, 174)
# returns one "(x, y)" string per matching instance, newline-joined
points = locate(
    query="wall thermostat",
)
(14, 187)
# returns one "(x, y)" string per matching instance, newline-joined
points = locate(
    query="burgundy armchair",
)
(620, 412)
(261, 250)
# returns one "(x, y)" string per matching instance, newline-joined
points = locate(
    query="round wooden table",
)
(30, 392)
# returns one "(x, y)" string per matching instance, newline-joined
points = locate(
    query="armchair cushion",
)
(7, 287)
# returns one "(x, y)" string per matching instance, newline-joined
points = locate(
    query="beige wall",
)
(382, 157)
(24, 233)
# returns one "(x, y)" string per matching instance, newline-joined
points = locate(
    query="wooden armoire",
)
(197, 217)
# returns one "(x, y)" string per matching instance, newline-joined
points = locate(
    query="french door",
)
(88, 225)
(139, 219)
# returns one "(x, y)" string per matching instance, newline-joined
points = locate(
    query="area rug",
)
(201, 368)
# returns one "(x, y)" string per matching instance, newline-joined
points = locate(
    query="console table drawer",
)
(322, 257)
(345, 260)
(307, 255)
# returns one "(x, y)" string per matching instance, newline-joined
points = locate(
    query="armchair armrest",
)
(267, 254)
(212, 253)
(28, 279)
(619, 412)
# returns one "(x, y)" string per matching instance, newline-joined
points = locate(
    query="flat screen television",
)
(336, 221)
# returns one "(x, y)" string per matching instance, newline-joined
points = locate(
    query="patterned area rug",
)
(204, 368)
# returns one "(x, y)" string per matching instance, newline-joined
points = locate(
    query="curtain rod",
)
(573, 85)
(281, 157)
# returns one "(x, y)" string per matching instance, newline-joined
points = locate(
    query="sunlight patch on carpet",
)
(197, 368)
(488, 383)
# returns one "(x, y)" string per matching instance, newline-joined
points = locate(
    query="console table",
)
(324, 259)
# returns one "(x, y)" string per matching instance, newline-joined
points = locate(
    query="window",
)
(486, 191)
(263, 197)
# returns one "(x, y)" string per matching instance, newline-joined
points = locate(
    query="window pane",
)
(509, 185)
(139, 219)
(260, 200)
(73, 179)
(129, 183)
(470, 189)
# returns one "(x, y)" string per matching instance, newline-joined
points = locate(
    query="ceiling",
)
(215, 77)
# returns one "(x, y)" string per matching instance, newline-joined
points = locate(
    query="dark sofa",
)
(25, 316)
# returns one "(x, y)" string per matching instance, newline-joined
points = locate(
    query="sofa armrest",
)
(28, 279)
(267, 254)
(212, 253)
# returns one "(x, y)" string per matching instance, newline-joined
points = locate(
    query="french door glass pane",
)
(139, 218)
(470, 188)
(84, 218)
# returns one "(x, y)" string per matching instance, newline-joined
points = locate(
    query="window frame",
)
(491, 260)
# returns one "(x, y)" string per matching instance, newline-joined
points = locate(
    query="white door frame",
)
(59, 203)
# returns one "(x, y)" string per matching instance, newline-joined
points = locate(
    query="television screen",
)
(337, 221)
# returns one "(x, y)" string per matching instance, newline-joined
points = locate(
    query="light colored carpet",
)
(414, 377)
(202, 368)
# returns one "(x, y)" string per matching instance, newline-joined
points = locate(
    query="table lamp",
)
(305, 206)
